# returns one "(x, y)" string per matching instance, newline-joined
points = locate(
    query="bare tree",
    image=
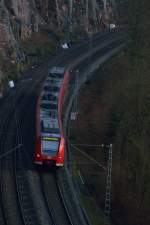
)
(58, 13)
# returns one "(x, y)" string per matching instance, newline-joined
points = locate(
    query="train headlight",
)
(38, 155)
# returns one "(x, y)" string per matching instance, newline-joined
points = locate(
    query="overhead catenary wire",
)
(89, 145)
(107, 206)
(10, 151)
(88, 157)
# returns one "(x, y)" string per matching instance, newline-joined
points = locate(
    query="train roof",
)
(56, 69)
(49, 101)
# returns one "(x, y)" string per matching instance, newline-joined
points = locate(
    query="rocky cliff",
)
(20, 19)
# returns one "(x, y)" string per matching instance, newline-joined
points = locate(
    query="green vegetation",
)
(10, 70)
(40, 45)
(87, 200)
(95, 215)
(119, 107)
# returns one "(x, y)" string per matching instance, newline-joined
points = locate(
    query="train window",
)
(49, 96)
(55, 89)
(49, 92)
(44, 106)
(53, 106)
(51, 88)
(47, 88)
(50, 82)
(48, 106)
(52, 74)
(53, 114)
(50, 130)
(44, 114)
(57, 75)
(49, 125)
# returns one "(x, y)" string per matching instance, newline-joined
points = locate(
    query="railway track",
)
(54, 198)
(4, 169)
(45, 184)
(8, 191)
(26, 201)
(9, 173)
(2, 138)
(15, 196)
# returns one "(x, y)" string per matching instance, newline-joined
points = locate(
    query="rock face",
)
(7, 39)
(17, 21)
(26, 15)
(19, 18)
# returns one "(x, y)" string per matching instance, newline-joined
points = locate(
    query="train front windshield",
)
(50, 145)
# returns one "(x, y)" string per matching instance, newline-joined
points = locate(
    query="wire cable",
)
(88, 157)
(10, 151)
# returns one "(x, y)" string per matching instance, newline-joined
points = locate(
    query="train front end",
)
(50, 151)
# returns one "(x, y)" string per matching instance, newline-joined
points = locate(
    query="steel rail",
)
(64, 203)
(20, 181)
(49, 205)
(59, 211)
(7, 125)
(87, 75)
(5, 122)
(26, 204)
(22, 186)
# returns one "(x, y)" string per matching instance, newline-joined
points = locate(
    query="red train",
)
(50, 141)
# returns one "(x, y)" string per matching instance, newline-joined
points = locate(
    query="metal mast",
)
(76, 88)
(108, 187)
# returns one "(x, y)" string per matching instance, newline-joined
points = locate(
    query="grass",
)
(88, 202)
(43, 45)
(38, 47)
(95, 215)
